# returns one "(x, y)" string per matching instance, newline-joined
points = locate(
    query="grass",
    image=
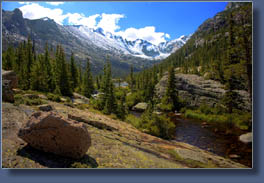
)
(20, 99)
(190, 162)
(236, 119)
(133, 120)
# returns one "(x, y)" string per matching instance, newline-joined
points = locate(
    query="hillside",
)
(207, 53)
(116, 144)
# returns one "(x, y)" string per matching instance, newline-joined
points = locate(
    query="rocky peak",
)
(232, 5)
(18, 13)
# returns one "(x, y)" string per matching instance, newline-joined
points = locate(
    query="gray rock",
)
(246, 138)
(190, 154)
(9, 81)
(234, 156)
(80, 99)
(10, 75)
(140, 107)
(45, 107)
(7, 93)
(196, 90)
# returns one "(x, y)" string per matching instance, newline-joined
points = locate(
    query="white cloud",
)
(167, 36)
(55, 3)
(24, 2)
(35, 11)
(147, 33)
(109, 22)
(80, 19)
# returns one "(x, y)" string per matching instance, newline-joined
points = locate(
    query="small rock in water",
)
(234, 156)
(246, 138)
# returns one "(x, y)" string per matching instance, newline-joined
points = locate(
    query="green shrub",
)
(82, 106)
(237, 119)
(134, 98)
(135, 121)
(53, 97)
(20, 99)
(157, 125)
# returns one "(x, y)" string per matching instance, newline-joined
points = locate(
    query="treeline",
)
(51, 72)
(47, 72)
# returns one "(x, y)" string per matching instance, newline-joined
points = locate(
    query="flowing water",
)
(211, 138)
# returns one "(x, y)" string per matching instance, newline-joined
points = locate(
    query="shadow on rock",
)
(54, 161)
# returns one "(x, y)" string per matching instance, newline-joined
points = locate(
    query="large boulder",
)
(140, 107)
(10, 75)
(196, 90)
(52, 133)
(8, 94)
(9, 81)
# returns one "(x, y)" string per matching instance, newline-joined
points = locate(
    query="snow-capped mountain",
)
(95, 44)
(139, 47)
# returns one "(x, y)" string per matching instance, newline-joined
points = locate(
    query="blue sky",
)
(153, 21)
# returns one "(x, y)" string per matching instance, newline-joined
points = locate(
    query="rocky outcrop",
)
(9, 81)
(96, 124)
(52, 133)
(8, 94)
(140, 107)
(45, 107)
(10, 75)
(80, 99)
(195, 91)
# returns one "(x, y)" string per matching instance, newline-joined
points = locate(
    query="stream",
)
(209, 137)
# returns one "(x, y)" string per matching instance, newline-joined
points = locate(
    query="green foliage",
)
(135, 121)
(107, 101)
(53, 97)
(20, 99)
(157, 125)
(237, 119)
(88, 86)
(134, 98)
(121, 108)
(73, 73)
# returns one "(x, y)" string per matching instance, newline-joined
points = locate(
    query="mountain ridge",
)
(86, 43)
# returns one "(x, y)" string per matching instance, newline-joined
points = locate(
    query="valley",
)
(183, 103)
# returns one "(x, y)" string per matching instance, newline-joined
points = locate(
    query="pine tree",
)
(132, 79)
(88, 86)
(73, 74)
(171, 97)
(29, 62)
(64, 76)
(121, 110)
(230, 96)
(108, 100)
(21, 67)
(57, 71)
(9, 59)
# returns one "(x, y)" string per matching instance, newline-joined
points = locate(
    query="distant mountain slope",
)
(84, 42)
(207, 51)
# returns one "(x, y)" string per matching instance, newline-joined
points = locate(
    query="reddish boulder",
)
(52, 133)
